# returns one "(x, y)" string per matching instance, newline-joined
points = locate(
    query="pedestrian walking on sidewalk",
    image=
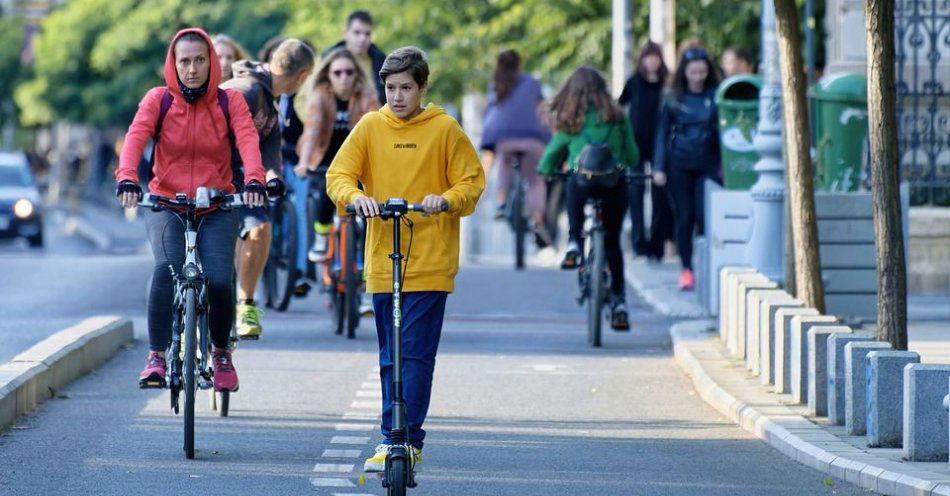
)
(642, 95)
(687, 149)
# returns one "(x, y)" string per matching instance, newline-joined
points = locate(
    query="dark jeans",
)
(422, 314)
(615, 207)
(637, 190)
(686, 193)
(217, 233)
(662, 222)
(318, 188)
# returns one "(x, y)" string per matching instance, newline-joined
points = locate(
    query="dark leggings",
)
(686, 194)
(325, 207)
(615, 207)
(217, 233)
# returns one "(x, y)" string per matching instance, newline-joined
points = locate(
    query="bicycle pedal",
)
(152, 384)
(204, 384)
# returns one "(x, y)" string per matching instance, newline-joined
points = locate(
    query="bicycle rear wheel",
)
(516, 218)
(189, 364)
(281, 271)
(595, 300)
(351, 281)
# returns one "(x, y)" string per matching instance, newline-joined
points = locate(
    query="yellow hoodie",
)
(395, 158)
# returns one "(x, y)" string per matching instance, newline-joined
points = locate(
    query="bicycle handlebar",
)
(204, 199)
(395, 206)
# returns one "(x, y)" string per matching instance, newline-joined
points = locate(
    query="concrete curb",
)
(76, 225)
(659, 294)
(782, 427)
(36, 374)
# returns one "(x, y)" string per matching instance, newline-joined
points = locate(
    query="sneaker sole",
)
(373, 468)
(249, 338)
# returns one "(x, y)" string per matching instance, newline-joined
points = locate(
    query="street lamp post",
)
(768, 193)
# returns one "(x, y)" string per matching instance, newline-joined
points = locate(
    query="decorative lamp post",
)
(766, 245)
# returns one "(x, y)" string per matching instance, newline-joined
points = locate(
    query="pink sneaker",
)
(225, 377)
(153, 376)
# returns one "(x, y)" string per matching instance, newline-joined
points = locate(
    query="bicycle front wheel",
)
(595, 300)
(190, 364)
(351, 282)
(281, 271)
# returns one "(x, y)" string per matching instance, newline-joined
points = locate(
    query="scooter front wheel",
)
(397, 477)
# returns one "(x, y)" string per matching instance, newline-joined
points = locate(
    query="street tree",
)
(885, 174)
(801, 198)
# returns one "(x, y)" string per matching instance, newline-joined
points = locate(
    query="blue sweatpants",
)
(422, 315)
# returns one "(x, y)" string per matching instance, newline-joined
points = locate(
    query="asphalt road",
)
(521, 406)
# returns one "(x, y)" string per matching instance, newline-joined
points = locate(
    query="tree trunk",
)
(885, 174)
(801, 187)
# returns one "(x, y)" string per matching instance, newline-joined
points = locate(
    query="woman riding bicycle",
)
(584, 115)
(340, 96)
(512, 125)
(192, 150)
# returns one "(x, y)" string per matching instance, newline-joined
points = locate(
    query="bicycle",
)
(343, 273)
(189, 367)
(515, 209)
(399, 473)
(280, 271)
(593, 278)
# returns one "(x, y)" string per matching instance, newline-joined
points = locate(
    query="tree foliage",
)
(96, 58)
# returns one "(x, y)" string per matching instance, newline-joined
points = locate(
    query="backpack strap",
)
(166, 104)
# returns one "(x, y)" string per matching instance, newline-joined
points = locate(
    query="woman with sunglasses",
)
(340, 97)
(687, 149)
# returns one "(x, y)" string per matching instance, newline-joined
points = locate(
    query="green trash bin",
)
(737, 99)
(841, 131)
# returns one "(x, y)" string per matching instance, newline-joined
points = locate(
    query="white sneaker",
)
(366, 305)
(318, 252)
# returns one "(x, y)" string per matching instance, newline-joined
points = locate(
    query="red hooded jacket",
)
(194, 149)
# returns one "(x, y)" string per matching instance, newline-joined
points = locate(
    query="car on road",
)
(21, 208)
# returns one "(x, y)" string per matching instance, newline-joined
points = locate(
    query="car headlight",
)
(23, 208)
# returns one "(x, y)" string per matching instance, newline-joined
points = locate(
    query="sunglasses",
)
(695, 54)
(348, 72)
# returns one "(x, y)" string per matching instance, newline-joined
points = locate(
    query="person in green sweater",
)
(582, 113)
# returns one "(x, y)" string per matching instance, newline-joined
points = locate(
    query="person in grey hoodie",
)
(260, 84)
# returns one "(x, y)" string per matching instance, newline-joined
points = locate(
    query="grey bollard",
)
(818, 367)
(768, 335)
(925, 422)
(746, 283)
(799, 352)
(885, 376)
(727, 279)
(836, 373)
(753, 322)
(856, 384)
(783, 346)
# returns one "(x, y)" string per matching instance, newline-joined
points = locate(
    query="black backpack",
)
(596, 165)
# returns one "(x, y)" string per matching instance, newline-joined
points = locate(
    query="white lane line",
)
(326, 482)
(340, 453)
(350, 440)
(372, 405)
(370, 385)
(354, 427)
(339, 468)
(360, 416)
(369, 394)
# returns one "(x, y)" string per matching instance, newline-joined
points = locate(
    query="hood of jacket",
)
(428, 113)
(214, 69)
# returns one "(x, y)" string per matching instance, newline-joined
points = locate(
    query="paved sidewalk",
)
(724, 384)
